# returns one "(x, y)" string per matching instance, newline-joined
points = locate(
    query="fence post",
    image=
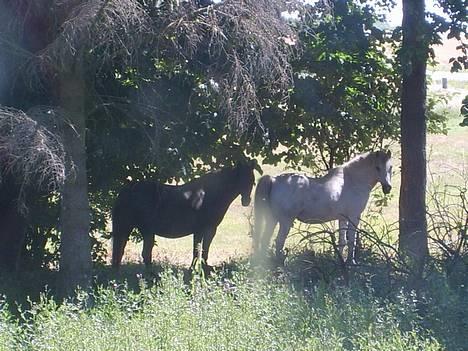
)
(444, 83)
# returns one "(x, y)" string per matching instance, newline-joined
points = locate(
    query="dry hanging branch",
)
(448, 219)
(113, 29)
(30, 151)
(97, 31)
(245, 46)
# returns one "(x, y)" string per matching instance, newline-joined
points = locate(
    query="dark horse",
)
(174, 211)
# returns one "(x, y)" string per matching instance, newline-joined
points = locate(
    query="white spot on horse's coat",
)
(197, 198)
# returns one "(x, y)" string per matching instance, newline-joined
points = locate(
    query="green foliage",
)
(346, 93)
(445, 308)
(42, 236)
(454, 23)
(464, 112)
(42, 243)
(436, 121)
(241, 313)
(9, 329)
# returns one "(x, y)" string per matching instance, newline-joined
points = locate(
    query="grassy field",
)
(448, 163)
(240, 312)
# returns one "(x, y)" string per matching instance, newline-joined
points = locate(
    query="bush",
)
(242, 313)
(9, 331)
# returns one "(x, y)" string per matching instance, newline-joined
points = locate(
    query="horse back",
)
(168, 210)
(307, 198)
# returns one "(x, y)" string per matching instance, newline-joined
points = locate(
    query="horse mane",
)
(366, 158)
(214, 178)
(358, 159)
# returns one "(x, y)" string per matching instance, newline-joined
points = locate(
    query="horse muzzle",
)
(245, 200)
(386, 188)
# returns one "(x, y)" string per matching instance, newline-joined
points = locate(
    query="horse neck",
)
(225, 186)
(361, 172)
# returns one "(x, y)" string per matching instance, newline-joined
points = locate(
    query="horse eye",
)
(377, 168)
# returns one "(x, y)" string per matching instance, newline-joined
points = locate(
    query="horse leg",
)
(285, 226)
(197, 239)
(207, 239)
(343, 227)
(256, 236)
(120, 235)
(264, 241)
(148, 244)
(352, 226)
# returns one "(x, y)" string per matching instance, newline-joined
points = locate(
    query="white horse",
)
(341, 195)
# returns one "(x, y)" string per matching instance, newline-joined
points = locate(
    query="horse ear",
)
(240, 163)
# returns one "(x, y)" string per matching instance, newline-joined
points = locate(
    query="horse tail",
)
(261, 209)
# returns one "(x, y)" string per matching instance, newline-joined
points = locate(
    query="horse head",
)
(383, 168)
(246, 179)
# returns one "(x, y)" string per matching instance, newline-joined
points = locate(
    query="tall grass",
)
(242, 313)
(9, 330)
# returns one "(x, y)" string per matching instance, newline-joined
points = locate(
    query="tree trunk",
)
(412, 218)
(75, 250)
(13, 223)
